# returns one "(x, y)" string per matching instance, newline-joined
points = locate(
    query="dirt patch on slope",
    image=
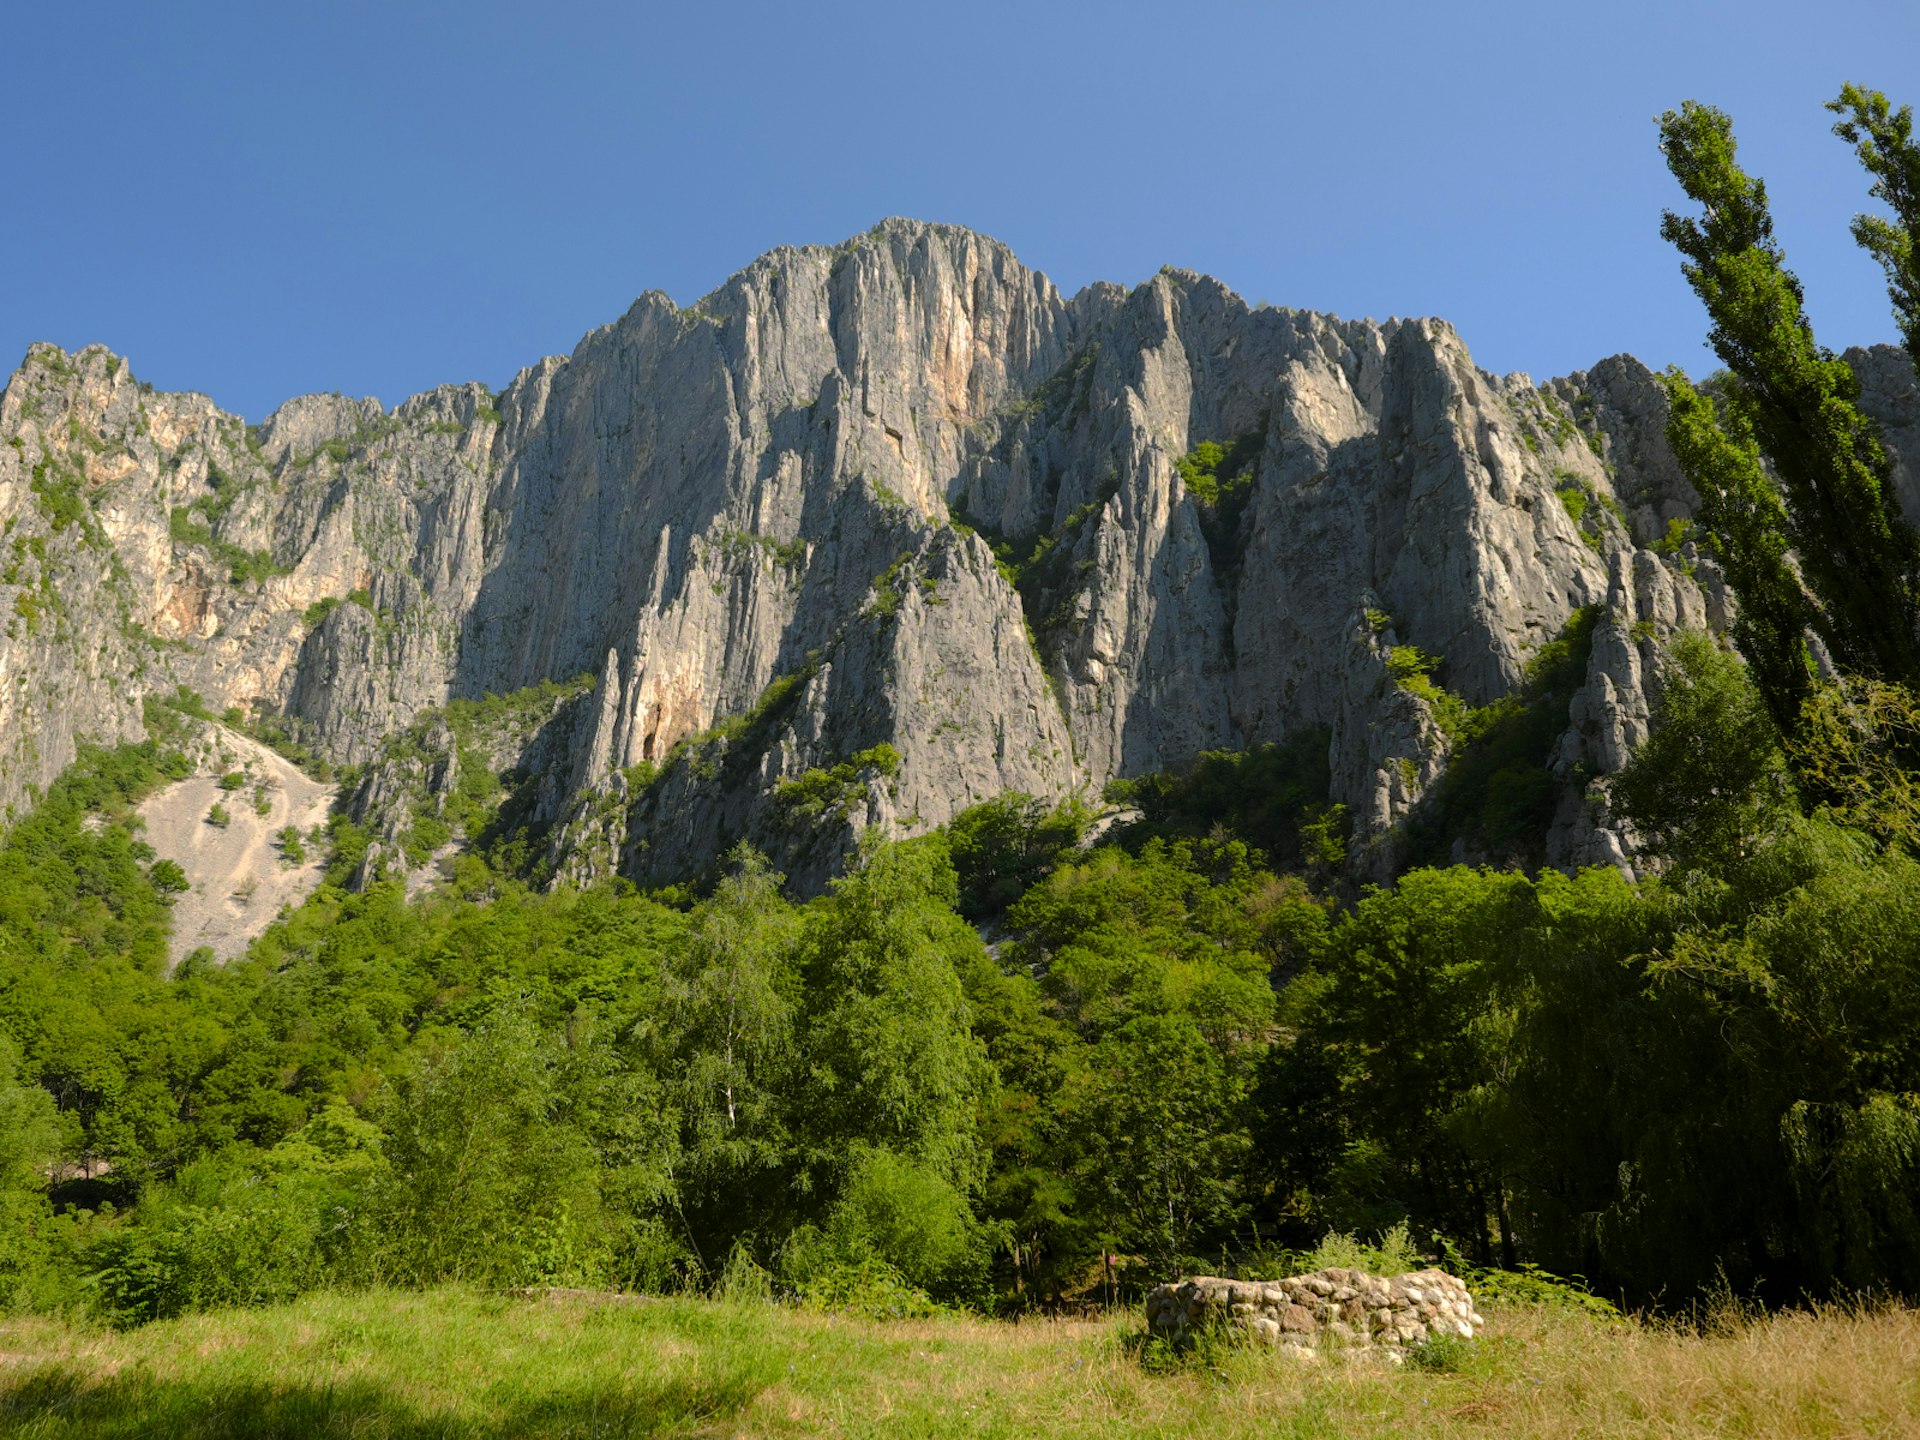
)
(239, 873)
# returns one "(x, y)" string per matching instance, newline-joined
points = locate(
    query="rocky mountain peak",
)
(867, 534)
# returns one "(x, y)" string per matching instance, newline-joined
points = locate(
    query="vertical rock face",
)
(760, 528)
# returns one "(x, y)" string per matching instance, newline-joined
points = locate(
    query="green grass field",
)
(453, 1363)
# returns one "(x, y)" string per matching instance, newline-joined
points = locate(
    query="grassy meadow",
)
(457, 1363)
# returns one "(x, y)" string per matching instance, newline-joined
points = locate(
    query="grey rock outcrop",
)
(761, 532)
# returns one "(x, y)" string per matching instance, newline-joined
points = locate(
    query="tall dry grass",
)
(453, 1363)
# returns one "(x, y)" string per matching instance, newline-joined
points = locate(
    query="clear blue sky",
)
(261, 199)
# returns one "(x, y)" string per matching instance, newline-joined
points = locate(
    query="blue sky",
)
(258, 200)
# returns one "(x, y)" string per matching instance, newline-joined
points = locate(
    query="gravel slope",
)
(239, 877)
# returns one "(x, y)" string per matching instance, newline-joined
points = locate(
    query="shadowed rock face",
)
(757, 500)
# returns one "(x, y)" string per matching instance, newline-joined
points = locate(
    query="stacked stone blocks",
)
(1331, 1308)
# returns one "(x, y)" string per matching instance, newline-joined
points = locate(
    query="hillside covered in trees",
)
(1167, 1053)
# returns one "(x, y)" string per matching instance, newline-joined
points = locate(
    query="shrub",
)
(1264, 795)
(816, 792)
(30, 1134)
(1392, 1253)
(232, 1230)
(822, 1277)
(60, 495)
(488, 1179)
(427, 834)
(1002, 846)
(908, 1217)
(319, 610)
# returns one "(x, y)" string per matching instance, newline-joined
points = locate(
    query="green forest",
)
(1002, 1066)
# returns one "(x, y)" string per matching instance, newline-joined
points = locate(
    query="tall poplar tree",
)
(1883, 139)
(1817, 544)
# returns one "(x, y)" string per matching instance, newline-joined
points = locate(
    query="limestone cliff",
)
(763, 529)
